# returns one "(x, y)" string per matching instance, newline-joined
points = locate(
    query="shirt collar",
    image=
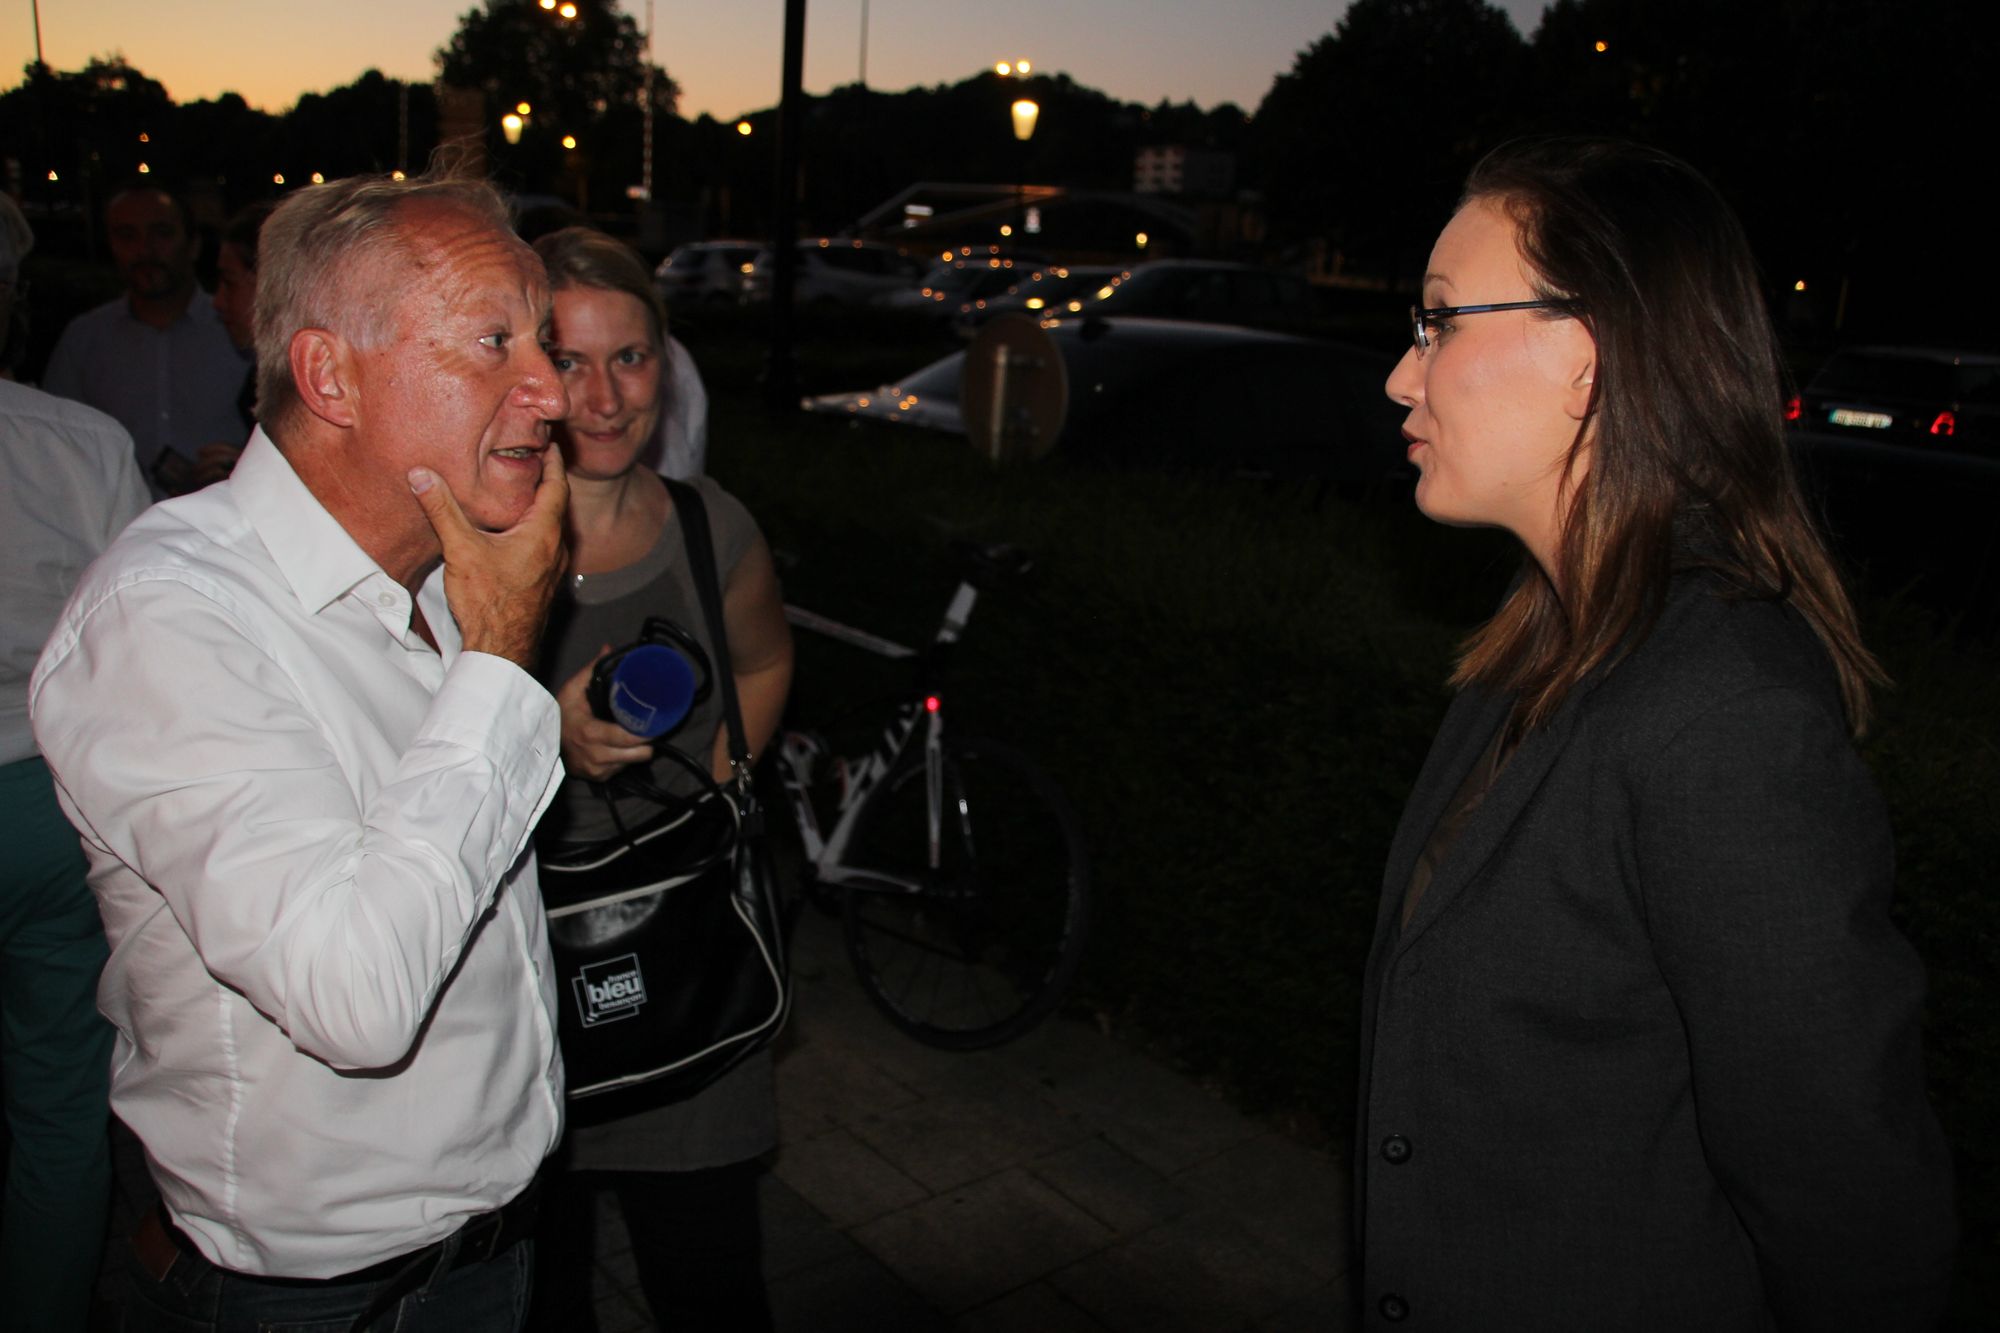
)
(313, 552)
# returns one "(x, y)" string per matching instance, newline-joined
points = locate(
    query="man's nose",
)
(541, 388)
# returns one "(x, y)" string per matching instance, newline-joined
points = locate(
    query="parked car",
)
(705, 271)
(1209, 291)
(1176, 393)
(835, 272)
(964, 276)
(1930, 397)
(1051, 291)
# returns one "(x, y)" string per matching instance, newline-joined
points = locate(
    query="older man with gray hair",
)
(291, 718)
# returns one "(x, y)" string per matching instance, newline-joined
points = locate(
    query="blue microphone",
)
(652, 687)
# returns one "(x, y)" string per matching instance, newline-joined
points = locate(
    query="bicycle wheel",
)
(978, 950)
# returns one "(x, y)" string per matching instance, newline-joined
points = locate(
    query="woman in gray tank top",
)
(685, 1175)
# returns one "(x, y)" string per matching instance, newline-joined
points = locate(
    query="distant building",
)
(1198, 173)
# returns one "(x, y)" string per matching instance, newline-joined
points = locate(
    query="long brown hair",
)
(1689, 465)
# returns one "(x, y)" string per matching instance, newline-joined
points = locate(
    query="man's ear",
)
(323, 372)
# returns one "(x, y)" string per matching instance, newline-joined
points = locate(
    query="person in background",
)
(291, 717)
(158, 358)
(68, 484)
(16, 240)
(236, 306)
(1639, 1043)
(685, 1174)
(680, 442)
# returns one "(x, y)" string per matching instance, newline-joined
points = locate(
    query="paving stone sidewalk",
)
(1060, 1183)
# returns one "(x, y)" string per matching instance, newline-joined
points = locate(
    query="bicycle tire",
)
(986, 946)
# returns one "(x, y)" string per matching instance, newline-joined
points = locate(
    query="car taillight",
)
(1945, 424)
(1793, 408)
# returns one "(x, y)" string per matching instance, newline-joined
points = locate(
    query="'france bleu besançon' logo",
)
(609, 990)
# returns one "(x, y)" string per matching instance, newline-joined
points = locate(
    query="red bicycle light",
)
(930, 703)
(1945, 424)
(1793, 408)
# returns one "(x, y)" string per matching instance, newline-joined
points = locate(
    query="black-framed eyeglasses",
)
(1421, 317)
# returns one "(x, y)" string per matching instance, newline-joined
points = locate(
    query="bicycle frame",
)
(826, 851)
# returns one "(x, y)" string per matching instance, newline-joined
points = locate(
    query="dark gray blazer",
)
(1646, 1056)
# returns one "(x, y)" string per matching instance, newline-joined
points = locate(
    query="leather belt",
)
(157, 1243)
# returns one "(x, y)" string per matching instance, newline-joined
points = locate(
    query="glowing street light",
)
(145, 170)
(1025, 113)
(569, 141)
(1021, 68)
(1602, 47)
(52, 174)
(1142, 238)
(318, 179)
(743, 128)
(510, 126)
(547, 4)
(523, 110)
(1003, 69)
(277, 178)
(567, 11)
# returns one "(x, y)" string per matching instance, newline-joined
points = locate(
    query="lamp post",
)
(1025, 113)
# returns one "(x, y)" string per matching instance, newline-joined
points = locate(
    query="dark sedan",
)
(1929, 397)
(1148, 391)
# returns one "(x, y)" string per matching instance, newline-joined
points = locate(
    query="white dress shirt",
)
(307, 833)
(68, 485)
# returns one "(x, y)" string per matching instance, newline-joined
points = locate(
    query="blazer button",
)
(1394, 1308)
(1395, 1150)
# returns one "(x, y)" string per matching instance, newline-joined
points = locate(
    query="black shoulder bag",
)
(668, 940)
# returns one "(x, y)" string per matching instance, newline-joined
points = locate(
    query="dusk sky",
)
(725, 56)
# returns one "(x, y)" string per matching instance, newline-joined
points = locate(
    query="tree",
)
(580, 77)
(1366, 139)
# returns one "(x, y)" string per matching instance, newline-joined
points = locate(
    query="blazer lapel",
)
(1462, 737)
(1490, 823)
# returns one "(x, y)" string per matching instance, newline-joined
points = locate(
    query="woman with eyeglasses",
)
(1639, 1044)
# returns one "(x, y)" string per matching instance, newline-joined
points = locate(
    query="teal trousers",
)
(55, 1062)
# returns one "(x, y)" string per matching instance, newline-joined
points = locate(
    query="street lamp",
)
(1025, 112)
(510, 125)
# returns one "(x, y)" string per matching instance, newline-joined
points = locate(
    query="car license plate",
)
(1847, 416)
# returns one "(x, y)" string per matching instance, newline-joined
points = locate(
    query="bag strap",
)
(708, 587)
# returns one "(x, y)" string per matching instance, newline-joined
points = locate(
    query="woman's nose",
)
(1406, 382)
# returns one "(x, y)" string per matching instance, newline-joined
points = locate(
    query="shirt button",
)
(1395, 1150)
(385, 599)
(1394, 1308)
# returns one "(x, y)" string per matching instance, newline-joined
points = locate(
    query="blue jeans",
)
(198, 1297)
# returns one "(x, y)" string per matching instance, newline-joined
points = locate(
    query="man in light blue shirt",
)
(157, 359)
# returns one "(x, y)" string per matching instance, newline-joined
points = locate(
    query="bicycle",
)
(956, 863)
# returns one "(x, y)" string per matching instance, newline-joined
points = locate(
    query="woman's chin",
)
(604, 455)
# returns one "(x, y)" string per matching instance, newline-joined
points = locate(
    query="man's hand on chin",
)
(499, 584)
